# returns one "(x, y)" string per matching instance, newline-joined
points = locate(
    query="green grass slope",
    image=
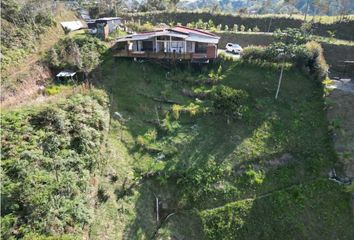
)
(50, 155)
(195, 160)
(318, 210)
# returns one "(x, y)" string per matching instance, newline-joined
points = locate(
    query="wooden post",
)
(157, 209)
(280, 79)
(155, 44)
(170, 44)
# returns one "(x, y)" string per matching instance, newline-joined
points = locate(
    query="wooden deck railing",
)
(159, 55)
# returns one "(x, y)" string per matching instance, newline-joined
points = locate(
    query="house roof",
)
(188, 30)
(66, 74)
(73, 25)
(109, 18)
(180, 32)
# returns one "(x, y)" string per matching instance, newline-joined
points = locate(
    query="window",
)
(163, 38)
(201, 47)
(177, 39)
(147, 46)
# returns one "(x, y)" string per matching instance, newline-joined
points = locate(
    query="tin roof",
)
(73, 25)
(180, 32)
(188, 30)
(66, 74)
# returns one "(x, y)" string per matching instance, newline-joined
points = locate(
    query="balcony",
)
(159, 55)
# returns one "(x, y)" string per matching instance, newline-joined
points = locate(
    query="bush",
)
(235, 28)
(254, 52)
(242, 28)
(45, 180)
(70, 52)
(317, 63)
(52, 90)
(229, 101)
(136, 27)
(255, 29)
(296, 49)
(197, 180)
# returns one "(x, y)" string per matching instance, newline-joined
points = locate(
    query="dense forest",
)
(313, 7)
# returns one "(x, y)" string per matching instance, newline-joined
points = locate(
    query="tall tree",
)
(90, 59)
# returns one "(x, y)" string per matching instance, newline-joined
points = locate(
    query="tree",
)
(286, 45)
(89, 60)
(152, 5)
(174, 3)
(53, 58)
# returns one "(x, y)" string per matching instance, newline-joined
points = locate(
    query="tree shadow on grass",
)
(216, 140)
(313, 210)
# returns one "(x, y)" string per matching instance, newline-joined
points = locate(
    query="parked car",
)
(234, 48)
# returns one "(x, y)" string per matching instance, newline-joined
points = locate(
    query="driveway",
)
(344, 84)
(235, 56)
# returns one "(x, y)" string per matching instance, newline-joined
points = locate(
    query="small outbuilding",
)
(101, 27)
(72, 26)
(66, 75)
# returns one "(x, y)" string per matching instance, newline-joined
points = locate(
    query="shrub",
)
(211, 24)
(52, 90)
(317, 63)
(102, 195)
(255, 29)
(252, 177)
(229, 101)
(199, 24)
(148, 138)
(169, 125)
(176, 109)
(191, 25)
(136, 27)
(242, 28)
(197, 180)
(71, 53)
(45, 178)
(217, 76)
(254, 52)
(235, 28)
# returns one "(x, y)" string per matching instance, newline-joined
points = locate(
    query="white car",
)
(234, 48)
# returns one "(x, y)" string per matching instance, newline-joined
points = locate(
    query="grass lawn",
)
(279, 149)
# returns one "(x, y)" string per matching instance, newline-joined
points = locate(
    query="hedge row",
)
(334, 54)
(343, 30)
(245, 39)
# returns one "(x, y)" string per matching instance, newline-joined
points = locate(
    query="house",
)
(101, 27)
(178, 43)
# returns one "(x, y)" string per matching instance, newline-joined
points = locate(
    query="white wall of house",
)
(180, 46)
